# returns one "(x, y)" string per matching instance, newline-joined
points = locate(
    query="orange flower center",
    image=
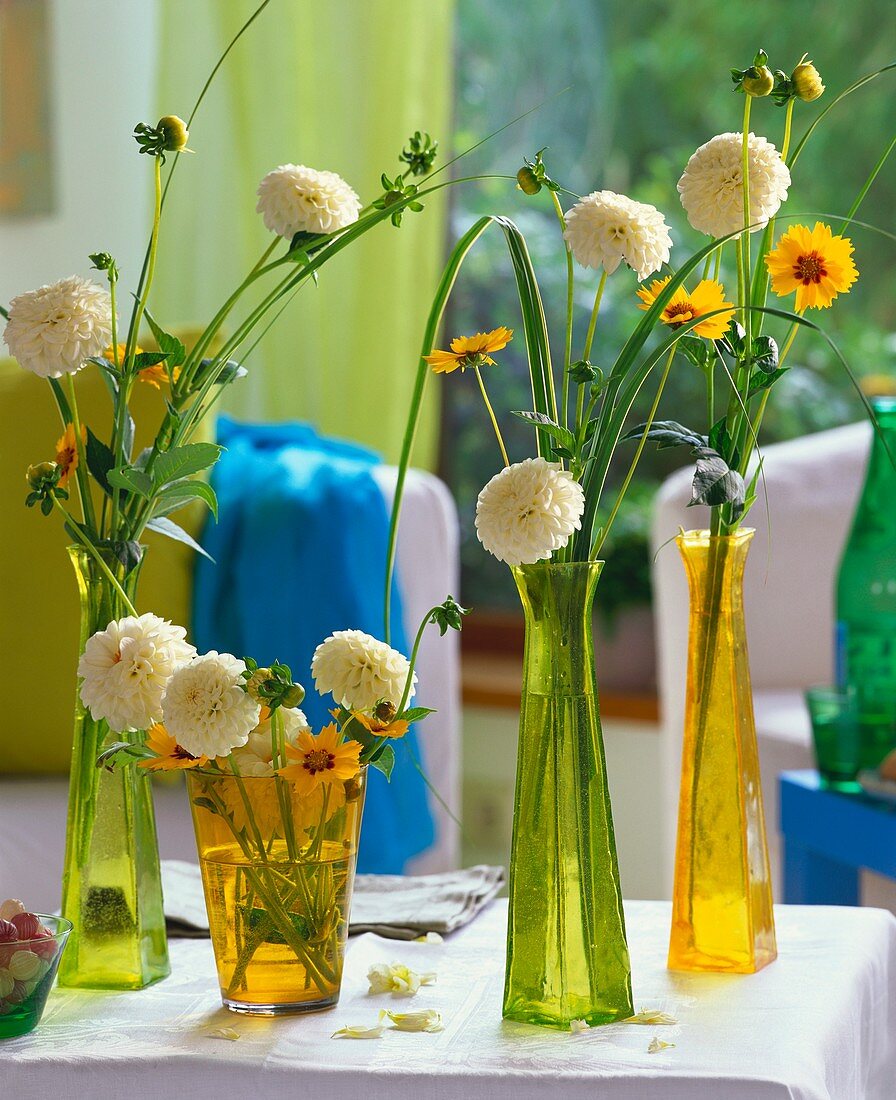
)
(678, 313)
(809, 268)
(318, 760)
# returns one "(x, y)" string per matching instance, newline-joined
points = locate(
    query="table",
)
(829, 837)
(818, 1023)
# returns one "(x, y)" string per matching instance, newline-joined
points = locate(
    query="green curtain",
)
(335, 84)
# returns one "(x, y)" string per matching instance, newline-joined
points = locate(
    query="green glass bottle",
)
(866, 596)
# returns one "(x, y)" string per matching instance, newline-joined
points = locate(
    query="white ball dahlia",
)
(528, 511)
(605, 228)
(710, 186)
(359, 671)
(53, 329)
(126, 668)
(206, 708)
(255, 757)
(294, 199)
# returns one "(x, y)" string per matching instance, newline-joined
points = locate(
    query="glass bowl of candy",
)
(31, 945)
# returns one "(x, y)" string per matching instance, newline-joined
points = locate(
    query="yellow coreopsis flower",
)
(396, 727)
(321, 759)
(469, 351)
(169, 755)
(67, 453)
(707, 297)
(813, 262)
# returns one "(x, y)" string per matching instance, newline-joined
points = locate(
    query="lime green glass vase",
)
(567, 956)
(111, 887)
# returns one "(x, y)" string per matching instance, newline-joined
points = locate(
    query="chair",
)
(813, 484)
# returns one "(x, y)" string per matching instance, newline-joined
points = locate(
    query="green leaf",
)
(385, 761)
(415, 714)
(765, 354)
(182, 461)
(733, 340)
(698, 351)
(230, 371)
(721, 442)
(179, 493)
(122, 752)
(564, 436)
(163, 526)
(100, 461)
(170, 345)
(715, 483)
(149, 359)
(128, 553)
(761, 381)
(668, 433)
(132, 479)
(205, 804)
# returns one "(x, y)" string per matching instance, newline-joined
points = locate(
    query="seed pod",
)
(174, 133)
(527, 181)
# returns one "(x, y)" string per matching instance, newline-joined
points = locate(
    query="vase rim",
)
(558, 564)
(362, 770)
(703, 534)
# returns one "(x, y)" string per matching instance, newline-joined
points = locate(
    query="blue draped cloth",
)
(300, 551)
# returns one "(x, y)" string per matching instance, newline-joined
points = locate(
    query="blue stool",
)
(828, 837)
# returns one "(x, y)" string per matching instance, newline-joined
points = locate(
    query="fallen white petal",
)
(356, 1031)
(224, 1033)
(430, 937)
(428, 1020)
(656, 1045)
(650, 1016)
(575, 1026)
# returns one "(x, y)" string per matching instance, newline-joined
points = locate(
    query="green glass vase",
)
(111, 887)
(567, 956)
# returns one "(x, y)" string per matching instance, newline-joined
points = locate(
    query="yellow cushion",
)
(39, 612)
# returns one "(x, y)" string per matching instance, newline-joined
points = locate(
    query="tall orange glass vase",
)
(722, 916)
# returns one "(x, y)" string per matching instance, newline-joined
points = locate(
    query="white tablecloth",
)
(818, 1023)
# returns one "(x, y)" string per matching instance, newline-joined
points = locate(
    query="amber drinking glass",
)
(277, 870)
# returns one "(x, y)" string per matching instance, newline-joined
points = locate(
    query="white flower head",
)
(397, 978)
(604, 229)
(359, 671)
(294, 199)
(53, 329)
(126, 668)
(206, 709)
(711, 185)
(255, 757)
(528, 511)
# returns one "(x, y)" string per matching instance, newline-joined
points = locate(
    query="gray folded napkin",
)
(399, 907)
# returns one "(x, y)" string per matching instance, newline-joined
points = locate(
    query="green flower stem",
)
(194, 357)
(409, 681)
(87, 510)
(595, 309)
(97, 557)
(642, 442)
(269, 895)
(143, 295)
(570, 286)
(491, 412)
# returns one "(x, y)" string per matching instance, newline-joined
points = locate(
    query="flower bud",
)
(174, 133)
(384, 711)
(758, 81)
(807, 81)
(40, 473)
(293, 696)
(527, 181)
(256, 681)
